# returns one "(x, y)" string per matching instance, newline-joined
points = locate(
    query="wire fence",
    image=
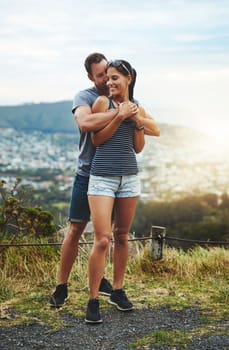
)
(8, 245)
(199, 242)
(158, 237)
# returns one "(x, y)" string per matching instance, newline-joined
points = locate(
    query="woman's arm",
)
(102, 135)
(139, 132)
(124, 111)
(150, 126)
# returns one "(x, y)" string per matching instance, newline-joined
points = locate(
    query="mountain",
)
(57, 117)
(45, 117)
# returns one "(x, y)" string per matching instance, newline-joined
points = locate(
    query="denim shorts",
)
(114, 186)
(79, 207)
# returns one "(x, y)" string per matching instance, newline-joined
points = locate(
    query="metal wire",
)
(221, 243)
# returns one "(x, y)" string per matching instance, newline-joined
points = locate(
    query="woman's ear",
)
(129, 79)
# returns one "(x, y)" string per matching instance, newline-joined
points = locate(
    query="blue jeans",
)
(79, 207)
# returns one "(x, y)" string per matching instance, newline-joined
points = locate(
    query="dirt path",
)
(117, 332)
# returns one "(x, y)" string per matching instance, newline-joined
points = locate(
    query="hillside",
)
(57, 117)
(45, 117)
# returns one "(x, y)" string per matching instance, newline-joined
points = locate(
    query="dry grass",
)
(184, 265)
(28, 276)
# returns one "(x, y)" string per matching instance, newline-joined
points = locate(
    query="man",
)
(95, 65)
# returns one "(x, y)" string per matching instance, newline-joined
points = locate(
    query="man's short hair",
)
(93, 58)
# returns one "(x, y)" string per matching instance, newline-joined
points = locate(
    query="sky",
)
(179, 48)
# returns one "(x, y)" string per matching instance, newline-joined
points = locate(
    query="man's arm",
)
(88, 121)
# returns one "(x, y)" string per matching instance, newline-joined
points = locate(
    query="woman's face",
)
(117, 82)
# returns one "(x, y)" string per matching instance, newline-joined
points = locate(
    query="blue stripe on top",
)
(116, 156)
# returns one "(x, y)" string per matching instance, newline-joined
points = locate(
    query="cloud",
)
(179, 48)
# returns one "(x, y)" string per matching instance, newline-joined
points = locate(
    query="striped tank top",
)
(116, 156)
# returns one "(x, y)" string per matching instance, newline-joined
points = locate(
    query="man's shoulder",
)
(87, 92)
(84, 97)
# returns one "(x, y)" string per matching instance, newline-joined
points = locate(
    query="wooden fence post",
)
(157, 241)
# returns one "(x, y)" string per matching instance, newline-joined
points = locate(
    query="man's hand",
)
(126, 110)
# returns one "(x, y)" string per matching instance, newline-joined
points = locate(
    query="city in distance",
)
(180, 162)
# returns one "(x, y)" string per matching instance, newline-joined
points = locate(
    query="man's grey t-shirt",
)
(86, 149)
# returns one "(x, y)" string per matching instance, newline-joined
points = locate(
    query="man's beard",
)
(102, 89)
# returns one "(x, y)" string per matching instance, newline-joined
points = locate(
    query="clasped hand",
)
(128, 109)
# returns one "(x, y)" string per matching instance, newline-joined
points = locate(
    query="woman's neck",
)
(119, 99)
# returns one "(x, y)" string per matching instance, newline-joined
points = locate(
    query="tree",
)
(224, 201)
(17, 219)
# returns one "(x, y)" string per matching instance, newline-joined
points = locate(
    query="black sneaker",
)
(60, 295)
(93, 314)
(105, 287)
(119, 299)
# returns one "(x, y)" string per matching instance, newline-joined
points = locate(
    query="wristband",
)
(139, 128)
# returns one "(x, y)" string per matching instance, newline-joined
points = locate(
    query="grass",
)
(175, 338)
(199, 277)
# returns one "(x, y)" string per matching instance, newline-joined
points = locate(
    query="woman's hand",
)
(127, 110)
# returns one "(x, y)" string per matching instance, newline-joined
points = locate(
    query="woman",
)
(114, 178)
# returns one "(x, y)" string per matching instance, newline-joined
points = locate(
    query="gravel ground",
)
(118, 330)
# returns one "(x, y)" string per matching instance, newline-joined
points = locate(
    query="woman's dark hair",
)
(93, 58)
(125, 68)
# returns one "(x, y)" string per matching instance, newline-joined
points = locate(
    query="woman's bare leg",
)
(124, 215)
(101, 210)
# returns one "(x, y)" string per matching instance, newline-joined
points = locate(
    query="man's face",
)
(99, 76)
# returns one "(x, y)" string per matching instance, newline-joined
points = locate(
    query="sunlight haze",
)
(179, 48)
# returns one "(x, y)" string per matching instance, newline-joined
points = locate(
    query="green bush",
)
(18, 219)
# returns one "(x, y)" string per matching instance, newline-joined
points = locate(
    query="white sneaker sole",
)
(105, 293)
(93, 322)
(118, 307)
(55, 305)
